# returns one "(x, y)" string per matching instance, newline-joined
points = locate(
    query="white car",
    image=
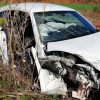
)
(64, 44)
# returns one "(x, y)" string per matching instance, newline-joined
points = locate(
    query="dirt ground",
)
(97, 24)
(94, 18)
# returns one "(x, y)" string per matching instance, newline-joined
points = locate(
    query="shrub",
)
(96, 9)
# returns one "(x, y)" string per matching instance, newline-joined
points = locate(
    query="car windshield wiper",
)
(84, 28)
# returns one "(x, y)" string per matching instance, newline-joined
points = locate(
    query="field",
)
(2, 4)
(82, 7)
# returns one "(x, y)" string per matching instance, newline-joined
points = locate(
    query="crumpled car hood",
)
(86, 47)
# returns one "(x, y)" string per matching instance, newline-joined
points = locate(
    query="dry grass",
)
(17, 83)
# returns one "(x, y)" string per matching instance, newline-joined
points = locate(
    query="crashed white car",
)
(65, 46)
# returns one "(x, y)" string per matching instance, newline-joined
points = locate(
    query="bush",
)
(96, 9)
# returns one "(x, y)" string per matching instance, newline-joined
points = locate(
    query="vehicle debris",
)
(82, 76)
(50, 83)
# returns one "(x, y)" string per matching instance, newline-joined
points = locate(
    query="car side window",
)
(29, 34)
(21, 23)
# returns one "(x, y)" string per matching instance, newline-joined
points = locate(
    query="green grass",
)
(78, 7)
(2, 4)
(82, 7)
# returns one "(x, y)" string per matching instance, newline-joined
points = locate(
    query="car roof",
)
(35, 7)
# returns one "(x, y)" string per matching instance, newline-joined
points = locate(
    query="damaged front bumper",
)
(65, 75)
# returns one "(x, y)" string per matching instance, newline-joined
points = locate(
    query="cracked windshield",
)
(60, 25)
